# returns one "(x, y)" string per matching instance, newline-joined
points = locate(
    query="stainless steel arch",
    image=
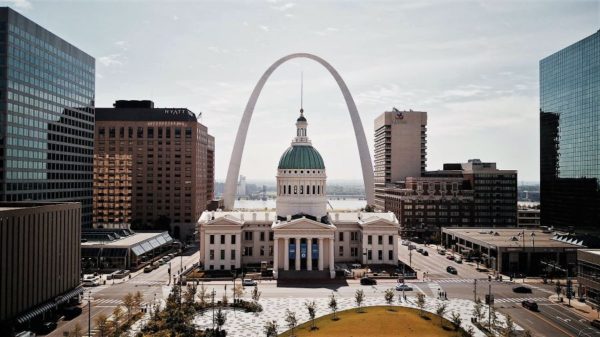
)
(240, 140)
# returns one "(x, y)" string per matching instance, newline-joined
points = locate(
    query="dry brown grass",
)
(377, 321)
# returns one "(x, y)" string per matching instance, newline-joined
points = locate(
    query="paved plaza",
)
(274, 309)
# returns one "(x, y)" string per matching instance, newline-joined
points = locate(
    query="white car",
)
(248, 282)
(91, 281)
(404, 287)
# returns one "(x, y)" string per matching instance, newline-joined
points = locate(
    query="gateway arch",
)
(238, 148)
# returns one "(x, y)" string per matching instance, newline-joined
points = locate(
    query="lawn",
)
(376, 321)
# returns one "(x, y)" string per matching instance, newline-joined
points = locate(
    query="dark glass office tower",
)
(570, 136)
(46, 116)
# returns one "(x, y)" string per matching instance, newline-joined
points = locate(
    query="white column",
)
(238, 250)
(309, 254)
(275, 254)
(321, 254)
(286, 258)
(395, 248)
(297, 253)
(331, 259)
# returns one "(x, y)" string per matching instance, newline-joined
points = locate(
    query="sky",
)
(472, 65)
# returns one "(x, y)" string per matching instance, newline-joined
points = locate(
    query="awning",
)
(27, 316)
(138, 250)
(114, 252)
(70, 294)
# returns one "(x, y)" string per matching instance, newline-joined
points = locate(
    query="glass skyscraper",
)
(570, 136)
(46, 116)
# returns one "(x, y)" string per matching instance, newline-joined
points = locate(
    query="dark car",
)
(425, 253)
(46, 328)
(72, 312)
(451, 270)
(522, 290)
(595, 323)
(367, 281)
(419, 250)
(529, 304)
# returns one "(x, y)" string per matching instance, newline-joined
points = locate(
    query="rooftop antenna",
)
(301, 92)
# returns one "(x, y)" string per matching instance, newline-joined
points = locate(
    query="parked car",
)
(46, 327)
(367, 281)
(451, 270)
(529, 304)
(522, 290)
(248, 282)
(404, 287)
(595, 323)
(405, 242)
(148, 269)
(442, 251)
(450, 257)
(71, 312)
(458, 260)
(90, 281)
(420, 250)
(425, 253)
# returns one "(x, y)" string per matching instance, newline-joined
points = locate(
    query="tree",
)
(238, 291)
(291, 320)
(493, 317)
(333, 305)
(224, 300)
(220, 319)
(138, 298)
(190, 292)
(421, 302)
(77, 331)
(312, 311)
(255, 294)
(271, 329)
(129, 304)
(359, 297)
(456, 320)
(440, 311)
(527, 333)
(478, 309)
(202, 295)
(102, 325)
(389, 296)
(117, 317)
(469, 332)
(558, 289)
(509, 329)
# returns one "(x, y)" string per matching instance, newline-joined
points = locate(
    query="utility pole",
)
(213, 309)
(89, 298)
(475, 290)
(490, 304)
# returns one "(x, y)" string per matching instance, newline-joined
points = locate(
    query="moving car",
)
(404, 287)
(450, 257)
(425, 253)
(148, 269)
(522, 290)
(420, 250)
(529, 304)
(90, 281)
(451, 270)
(367, 281)
(248, 282)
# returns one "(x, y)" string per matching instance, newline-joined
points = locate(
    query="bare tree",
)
(202, 294)
(456, 320)
(312, 311)
(527, 333)
(138, 298)
(291, 320)
(509, 328)
(225, 299)
(238, 291)
(129, 304)
(271, 329)
(440, 311)
(389, 297)
(117, 317)
(102, 325)
(77, 331)
(190, 292)
(359, 297)
(333, 305)
(220, 319)
(421, 302)
(478, 309)
(256, 294)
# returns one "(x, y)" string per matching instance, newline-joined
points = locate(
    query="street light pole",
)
(89, 298)
(475, 290)
(213, 309)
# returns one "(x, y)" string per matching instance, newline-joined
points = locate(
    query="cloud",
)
(327, 31)
(122, 44)
(265, 28)
(111, 60)
(175, 17)
(285, 7)
(20, 4)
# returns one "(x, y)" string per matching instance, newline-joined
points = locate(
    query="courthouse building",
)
(300, 236)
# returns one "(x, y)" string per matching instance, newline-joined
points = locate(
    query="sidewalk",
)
(580, 308)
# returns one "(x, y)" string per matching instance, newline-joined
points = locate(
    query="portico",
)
(303, 245)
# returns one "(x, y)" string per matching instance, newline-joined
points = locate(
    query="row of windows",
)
(299, 189)
(141, 132)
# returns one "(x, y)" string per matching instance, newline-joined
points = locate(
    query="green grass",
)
(376, 321)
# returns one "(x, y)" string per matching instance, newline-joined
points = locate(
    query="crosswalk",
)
(148, 283)
(520, 299)
(104, 301)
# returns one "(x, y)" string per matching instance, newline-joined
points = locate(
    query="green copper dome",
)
(301, 157)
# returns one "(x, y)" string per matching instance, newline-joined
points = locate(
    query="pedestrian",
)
(404, 297)
(445, 295)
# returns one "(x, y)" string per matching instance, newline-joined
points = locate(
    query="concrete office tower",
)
(40, 262)
(570, 136)
(46, 116)
(154, 167)
(400, 148)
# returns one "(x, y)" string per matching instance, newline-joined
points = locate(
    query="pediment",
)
(375, 221)
(227, 220)
(303, 224)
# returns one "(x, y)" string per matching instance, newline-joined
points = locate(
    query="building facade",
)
(301, 238)
(46, 116)
(153, 167)
(570, 136)
(400, 149)
(588, 274)
(40, 260)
